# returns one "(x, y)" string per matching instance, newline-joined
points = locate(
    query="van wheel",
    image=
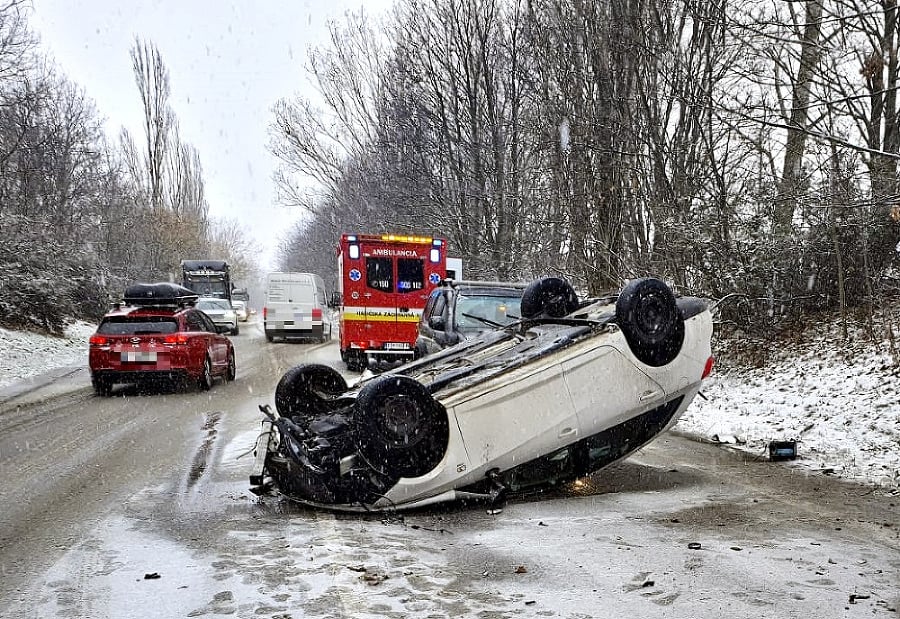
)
(650, 321)
(306, 391)
(269, 338)
(400, 427)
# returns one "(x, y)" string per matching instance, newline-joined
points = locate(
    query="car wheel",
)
(651, 321)
(102, 387)
(354, 361)
(548, 297)
(206, 379)
(304, 391)
(269, 338)
(236, 330)
(231, 372)
(399, 427)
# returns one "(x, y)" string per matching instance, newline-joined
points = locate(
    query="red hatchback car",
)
(158, 335)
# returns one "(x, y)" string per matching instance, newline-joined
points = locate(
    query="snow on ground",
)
(841, 402)
(25, 354)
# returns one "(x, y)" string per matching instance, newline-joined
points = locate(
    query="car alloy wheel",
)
(206, 379)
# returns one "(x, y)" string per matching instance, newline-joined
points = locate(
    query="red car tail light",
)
(316, 314)
(98, 340)
(707, 370)
(175, 338)
(265, 311)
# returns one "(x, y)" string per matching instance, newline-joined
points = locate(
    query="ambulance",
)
(384, 282)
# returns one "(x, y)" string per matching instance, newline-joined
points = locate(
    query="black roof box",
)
(159, 294)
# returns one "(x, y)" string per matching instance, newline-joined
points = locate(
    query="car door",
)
(200, 341)
(434, 324)
(217, 343)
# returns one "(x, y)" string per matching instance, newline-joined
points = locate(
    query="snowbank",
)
(24, 354)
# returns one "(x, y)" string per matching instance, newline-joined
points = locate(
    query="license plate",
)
(140, 356)
(396, 346)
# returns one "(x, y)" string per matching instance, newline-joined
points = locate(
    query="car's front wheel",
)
(305, 390)
(399, 427)
(206, 378)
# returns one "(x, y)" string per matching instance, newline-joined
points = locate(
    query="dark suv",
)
(459, 309)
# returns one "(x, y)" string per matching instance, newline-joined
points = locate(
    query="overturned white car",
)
(571, 388)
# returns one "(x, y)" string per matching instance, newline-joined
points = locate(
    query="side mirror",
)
(437, 323)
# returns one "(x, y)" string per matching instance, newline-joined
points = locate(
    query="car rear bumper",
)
(141, 376)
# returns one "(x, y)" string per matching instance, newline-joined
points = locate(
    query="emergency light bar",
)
(407, 239)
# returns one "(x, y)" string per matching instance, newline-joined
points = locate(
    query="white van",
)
(296, 306)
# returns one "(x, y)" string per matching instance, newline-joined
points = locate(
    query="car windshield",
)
(479, 312)
(213, 304)
(145, 325)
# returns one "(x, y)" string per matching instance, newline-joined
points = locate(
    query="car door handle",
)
(649, 395)
(567, 432)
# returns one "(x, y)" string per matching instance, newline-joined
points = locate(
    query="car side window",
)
(195, 322)
(429, 306)
(208, 324)
(440, 307)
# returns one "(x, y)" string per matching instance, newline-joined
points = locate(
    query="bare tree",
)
(152, 80)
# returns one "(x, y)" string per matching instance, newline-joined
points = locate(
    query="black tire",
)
(206, 378)
(399, 427)
(269, 338)
(304, 390)
(355, 361)
(550, 297)
(231, 370)
(236, 330)
(651, 321)
(102, 387)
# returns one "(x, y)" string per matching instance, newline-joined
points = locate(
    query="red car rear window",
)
(145, 325)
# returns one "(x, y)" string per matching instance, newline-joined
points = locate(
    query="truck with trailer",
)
(207, 278)
(383, 283)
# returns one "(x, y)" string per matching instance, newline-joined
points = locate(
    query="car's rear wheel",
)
(651, 321)
(551, 297)
(304, 391)
(400, 428)
(206, 378)
(231, 371)
(236, 330)
(102, 386)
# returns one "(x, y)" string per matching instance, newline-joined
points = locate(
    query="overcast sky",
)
(228, 63)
